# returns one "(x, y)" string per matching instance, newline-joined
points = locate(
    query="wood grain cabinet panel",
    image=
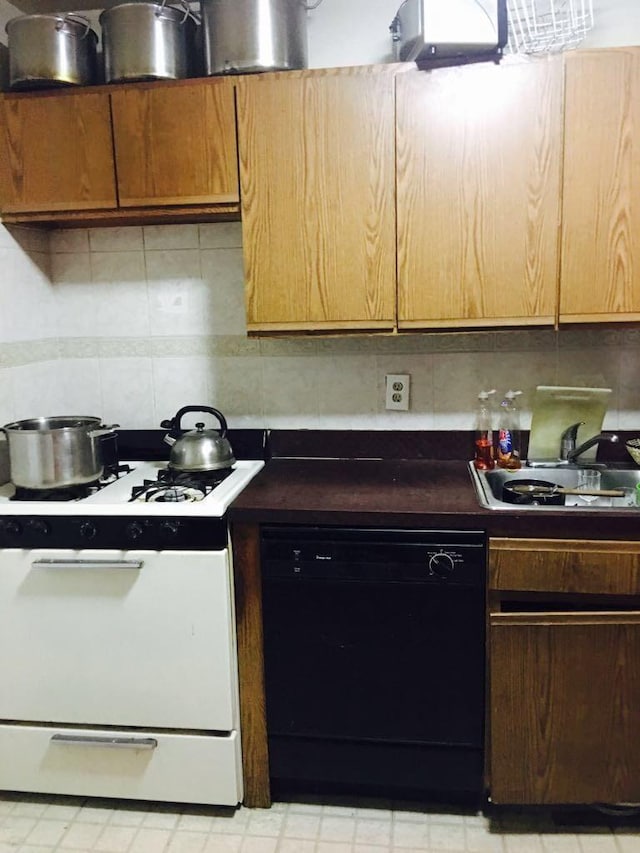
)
(479, 153)
(601, 209)
(56, 153)
(565, 708)
(175, 144)
(318, 199)
(564, 671)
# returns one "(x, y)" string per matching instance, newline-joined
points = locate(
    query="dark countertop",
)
(406, 493)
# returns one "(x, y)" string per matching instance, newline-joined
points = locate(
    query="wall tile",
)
(221, 235)
(6, 395)
(35, 391)
(628, 390)
(222, 270)
(178, 382)
(121, 295)
(75, 294)
(79, 386)
(179, 300)
(166, 237)
(70, 240)
(346, 386)
(116, 239)
(235, 387)
(30, 309)
(290, 392)
(127, 392)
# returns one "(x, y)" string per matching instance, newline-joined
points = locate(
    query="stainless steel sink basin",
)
(489, 485)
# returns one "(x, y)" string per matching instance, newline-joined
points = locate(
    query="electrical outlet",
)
(397, 393)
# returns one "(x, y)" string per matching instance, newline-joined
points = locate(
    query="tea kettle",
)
(200, 449)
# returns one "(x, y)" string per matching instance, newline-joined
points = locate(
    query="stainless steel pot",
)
(51, 50)
(147, 41)
(253, 35)
(199, 450)
(55, 453)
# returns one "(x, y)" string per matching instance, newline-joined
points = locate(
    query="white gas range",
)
(122, 676)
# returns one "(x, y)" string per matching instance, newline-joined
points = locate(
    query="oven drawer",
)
(122, 638)
(143, 765)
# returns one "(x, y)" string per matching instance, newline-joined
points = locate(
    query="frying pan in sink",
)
(536, 492)
(540, 492)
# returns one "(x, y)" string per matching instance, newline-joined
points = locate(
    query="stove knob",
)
(441, 565)
(134, 530)
(39, 527)
(88, 530)
(169, 530)
(11, 528)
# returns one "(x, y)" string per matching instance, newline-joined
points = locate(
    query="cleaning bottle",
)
(508, 450)
(483, 453)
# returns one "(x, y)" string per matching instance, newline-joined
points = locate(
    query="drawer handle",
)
(87, 564)
(114, 742)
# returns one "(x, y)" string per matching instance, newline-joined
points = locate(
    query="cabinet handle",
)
(113, 742)
(540, 618)
(87, 564)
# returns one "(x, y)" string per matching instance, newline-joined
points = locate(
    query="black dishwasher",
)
(375, 659)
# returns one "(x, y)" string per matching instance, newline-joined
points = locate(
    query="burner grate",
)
(178, 486)
(72, 493)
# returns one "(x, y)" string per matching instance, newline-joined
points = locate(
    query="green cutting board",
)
(556, 407)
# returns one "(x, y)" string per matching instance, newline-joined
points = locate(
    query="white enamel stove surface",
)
(118, 494)
(122, 676)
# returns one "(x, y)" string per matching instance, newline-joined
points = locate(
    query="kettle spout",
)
(169, 439)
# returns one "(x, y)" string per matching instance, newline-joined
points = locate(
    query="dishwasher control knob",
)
(39, 526)
(134, 530)
(441, 565)
(88, 530)
(11, 528)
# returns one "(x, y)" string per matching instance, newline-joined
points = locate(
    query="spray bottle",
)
(508, 450)
(483, 453)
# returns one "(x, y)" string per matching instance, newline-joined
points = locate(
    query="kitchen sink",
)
(489, 487)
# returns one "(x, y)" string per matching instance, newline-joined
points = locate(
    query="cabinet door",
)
(175, 144)
(56, 153)
(317, 188)
(478, 182)
(601, 210)
(565, 707)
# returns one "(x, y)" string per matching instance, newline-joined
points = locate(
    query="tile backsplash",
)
(132, 323)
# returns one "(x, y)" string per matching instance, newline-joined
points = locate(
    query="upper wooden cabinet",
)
(56, 153)
(175, 145)
(601, 213)
(317, 162)
(137, 152)
(478, 183)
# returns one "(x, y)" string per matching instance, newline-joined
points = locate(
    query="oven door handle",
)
(114, 742)
(87, 564)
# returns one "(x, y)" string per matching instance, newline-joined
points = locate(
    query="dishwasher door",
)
(374, 657)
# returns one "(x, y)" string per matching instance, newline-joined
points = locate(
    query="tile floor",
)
(40, 824)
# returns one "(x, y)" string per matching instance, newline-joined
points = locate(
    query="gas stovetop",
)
(145, 507)
(148, 488)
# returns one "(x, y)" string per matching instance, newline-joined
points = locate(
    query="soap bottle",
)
(508, 449)
(483, 451)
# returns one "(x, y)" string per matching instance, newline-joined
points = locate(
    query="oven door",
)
(118, 638)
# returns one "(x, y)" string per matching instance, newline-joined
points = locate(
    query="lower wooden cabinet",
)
(564, 652)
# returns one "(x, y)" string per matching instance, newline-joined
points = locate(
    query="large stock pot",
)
(148, 41)
(51, 50)
(58, 452)
(254, 35)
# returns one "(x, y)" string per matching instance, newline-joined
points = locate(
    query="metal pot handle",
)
(174, 423)
(103, 430)
(76, 19)
(187, 11)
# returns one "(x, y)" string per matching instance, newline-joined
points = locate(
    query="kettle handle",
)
(174, 423)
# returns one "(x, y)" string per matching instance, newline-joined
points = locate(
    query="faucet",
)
(568, 450)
